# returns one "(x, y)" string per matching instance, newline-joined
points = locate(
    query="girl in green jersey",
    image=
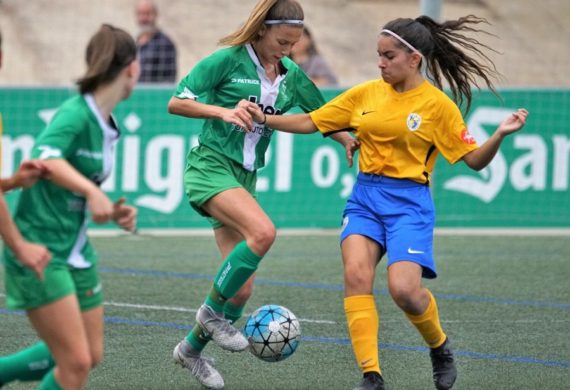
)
(220, 176)
(65, 307)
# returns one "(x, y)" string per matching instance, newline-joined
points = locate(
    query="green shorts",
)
(24, 291)
(209, 173)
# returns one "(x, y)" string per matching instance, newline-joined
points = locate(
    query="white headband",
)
(296, 22)
(399, 38)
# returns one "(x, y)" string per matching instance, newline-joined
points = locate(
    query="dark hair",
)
(109, 51)
(446, 51)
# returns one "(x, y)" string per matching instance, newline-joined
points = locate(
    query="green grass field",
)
(504, 301)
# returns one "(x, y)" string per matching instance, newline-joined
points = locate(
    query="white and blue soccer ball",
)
(273, 332)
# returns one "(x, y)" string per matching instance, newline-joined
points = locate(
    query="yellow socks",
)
(428, 324)
(363, 326)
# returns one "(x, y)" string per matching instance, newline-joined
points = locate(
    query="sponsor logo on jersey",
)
(467, 137)
(414, 121)
(47, 152)
(89, 154)
(245, 81)
(187, 94)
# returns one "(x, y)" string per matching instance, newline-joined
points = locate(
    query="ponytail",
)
(451, 54)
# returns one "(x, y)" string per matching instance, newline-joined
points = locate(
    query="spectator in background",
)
(157, 53)
(306, 55)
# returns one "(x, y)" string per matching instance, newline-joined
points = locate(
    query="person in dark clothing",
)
(157, 52)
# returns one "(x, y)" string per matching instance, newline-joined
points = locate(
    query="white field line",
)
(327, 322)
(186, 310)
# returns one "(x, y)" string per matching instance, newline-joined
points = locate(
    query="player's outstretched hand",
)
(124, 215)
(513, 122)
(34, 256)
(351, 146)
(28, 173)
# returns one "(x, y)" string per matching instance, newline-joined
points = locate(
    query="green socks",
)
(240, 264)
(30, 364)
(198, 339)
(49, 383)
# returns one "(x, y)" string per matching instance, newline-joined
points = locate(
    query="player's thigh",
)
(60, 325)
(238, 209)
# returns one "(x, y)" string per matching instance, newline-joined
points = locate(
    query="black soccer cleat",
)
(371, 381)
(443, 363)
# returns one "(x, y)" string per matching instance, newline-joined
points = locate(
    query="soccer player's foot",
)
(221, 331)
(200, 367)
(443, 363)
(371, 381)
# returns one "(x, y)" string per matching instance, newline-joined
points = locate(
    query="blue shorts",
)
(396, 213)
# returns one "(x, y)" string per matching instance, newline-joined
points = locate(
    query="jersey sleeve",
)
(337, 114)
(204, 77)
(57, 140)
(452, 139)
(309, 97)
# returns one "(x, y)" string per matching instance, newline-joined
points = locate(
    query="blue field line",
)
(339, 341)
(469, 354)
(334, 287)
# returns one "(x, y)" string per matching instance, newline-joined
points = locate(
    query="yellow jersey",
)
(400, 133)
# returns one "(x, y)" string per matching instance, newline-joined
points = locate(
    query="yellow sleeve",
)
(340, 113)
(452, 139)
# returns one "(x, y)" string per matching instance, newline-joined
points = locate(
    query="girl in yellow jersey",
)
(402, 123)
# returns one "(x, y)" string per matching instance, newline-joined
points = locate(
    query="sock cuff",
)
(246, 254)
(233, 311)
(359, 302)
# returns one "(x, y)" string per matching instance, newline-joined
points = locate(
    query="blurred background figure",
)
(306, 55)
(157, 52)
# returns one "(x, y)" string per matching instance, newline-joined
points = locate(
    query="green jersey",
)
(53, 215)
(235, 73)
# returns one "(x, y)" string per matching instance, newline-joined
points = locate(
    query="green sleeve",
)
(205, 76)
(309, 97)
(57, 140)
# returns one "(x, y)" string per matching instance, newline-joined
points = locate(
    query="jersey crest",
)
(414, 121)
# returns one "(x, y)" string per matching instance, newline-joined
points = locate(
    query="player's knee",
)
(262, 238)
(404, 295)
(77, 366)
(358, 279)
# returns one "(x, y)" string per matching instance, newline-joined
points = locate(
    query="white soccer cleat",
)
(201, 368)
(221, 331)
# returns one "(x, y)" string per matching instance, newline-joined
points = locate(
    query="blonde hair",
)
(263, 10)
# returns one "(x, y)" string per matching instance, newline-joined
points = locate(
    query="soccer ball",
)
(273, 332)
